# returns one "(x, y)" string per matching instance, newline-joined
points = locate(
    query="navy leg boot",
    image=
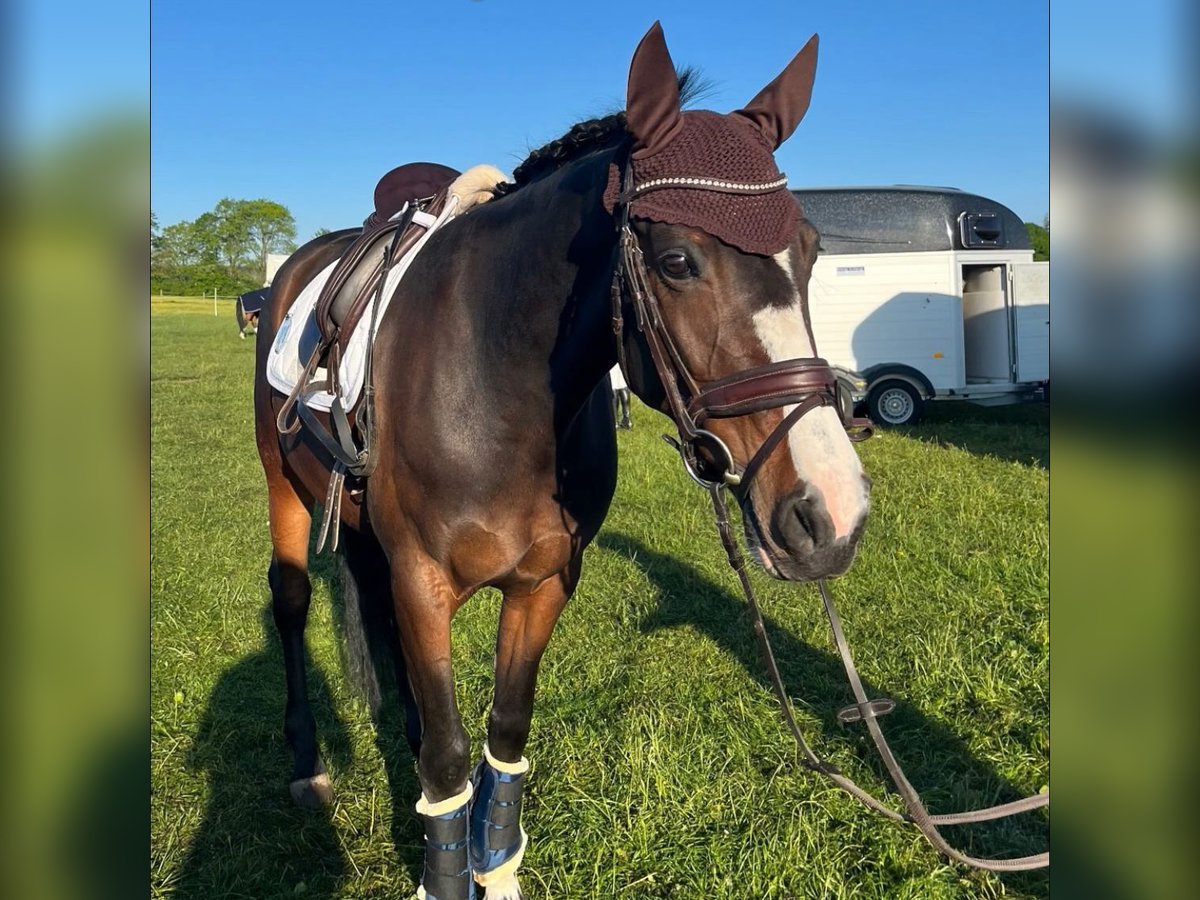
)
(447, 863)
(497, 839)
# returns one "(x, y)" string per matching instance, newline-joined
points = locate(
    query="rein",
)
(868, 711)
(808, 384)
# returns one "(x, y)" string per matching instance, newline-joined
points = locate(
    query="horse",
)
(659, 238)
(247, 308)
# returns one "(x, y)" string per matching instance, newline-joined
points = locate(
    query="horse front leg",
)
(424, 607)
(498, 842)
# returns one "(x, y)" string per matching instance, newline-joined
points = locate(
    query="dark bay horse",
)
(495, 439)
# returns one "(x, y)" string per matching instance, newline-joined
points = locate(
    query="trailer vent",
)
(981, 230)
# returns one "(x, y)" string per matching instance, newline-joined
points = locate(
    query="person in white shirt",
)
(621, 397)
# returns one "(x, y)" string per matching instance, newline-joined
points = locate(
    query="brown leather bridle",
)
(806, 384)
(809, 384)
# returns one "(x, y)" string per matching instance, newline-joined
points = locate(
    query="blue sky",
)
(309, 104)
(73, 62)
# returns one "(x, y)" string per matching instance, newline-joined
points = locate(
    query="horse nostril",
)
(802, 510)
(804, 524)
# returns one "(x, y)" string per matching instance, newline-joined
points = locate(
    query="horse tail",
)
(368, 620)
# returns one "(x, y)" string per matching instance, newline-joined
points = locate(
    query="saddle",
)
(408, 200)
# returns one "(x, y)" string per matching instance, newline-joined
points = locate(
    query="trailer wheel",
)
(894, 402)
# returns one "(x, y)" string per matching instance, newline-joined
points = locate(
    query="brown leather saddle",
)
(406, 200)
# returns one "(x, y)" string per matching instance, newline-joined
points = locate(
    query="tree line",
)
(1039, 239)
(224, 249)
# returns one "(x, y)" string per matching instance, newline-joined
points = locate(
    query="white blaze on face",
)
(823, 456)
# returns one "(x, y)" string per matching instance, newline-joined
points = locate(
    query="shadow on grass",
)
(937, 762)
(252, 841)
(407, 833)
(1019, 433)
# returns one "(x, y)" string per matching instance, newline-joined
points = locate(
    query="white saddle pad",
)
(298, 334)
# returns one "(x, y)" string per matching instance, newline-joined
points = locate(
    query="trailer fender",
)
(915, 377)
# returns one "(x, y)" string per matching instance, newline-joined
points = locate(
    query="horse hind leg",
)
(498, 841)
(291, 592)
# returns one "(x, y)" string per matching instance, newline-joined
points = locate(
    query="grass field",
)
(661, 767)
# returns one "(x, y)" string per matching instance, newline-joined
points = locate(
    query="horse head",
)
(722, 253)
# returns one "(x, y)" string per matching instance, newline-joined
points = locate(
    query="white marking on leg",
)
(823, 456)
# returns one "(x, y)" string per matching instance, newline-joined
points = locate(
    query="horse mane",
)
(592, 135)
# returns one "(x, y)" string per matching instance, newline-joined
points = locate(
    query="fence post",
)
(214, 301)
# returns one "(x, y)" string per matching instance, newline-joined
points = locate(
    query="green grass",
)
(661, 767)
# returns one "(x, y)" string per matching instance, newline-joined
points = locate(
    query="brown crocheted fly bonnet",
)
(706, 170)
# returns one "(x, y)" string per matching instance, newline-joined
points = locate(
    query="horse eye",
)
(675, 265)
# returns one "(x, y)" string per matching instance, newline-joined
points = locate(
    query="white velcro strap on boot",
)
(518, 768)
(450, 804)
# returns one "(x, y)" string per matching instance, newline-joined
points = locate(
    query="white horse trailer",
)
(274, 262)
(927, 294)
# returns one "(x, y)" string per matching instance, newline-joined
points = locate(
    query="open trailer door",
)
(1031, 319)
(987, 324)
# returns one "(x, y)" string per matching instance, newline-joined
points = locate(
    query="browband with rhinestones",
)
(711, 184)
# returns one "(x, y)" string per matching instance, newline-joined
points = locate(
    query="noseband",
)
(807, 383)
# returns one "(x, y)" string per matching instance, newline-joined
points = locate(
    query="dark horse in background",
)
(495, 440)
(247, 309)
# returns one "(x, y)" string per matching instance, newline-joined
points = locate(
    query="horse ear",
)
(652, 103)
(780, 106)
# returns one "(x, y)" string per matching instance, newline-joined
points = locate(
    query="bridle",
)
(808, 384)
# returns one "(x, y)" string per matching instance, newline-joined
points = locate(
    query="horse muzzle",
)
(798, 541)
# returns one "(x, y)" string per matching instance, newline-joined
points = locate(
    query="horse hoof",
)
(312, 793)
